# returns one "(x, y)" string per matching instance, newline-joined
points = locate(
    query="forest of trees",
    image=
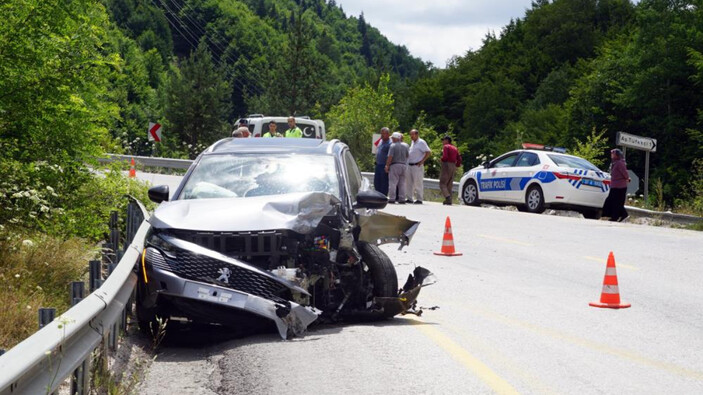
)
(81, 78)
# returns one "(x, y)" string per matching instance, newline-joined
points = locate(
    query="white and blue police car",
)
(536, 178)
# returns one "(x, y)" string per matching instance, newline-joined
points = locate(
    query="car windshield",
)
(308, 129)
(246, 175)
(573, 162)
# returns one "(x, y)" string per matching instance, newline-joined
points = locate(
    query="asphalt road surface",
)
(513, 317)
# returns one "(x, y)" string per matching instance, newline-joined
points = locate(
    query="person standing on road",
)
(293, 131)
(614, 206)
(419, 153)
(396, 167)
(380, 177)
(272, 131)
(451, 160)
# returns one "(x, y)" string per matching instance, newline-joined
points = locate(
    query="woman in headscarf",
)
(614, 206)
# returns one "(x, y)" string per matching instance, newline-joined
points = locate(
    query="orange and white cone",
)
(448, 241)
(132, 169)
(610, 297)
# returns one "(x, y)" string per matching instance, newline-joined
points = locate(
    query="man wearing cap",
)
(450, 161)
(272, 131)
(380, 177)
(396, 166)
(293, 131)
(419, 153)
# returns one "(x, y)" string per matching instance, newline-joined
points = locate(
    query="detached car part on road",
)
(273, 230)
(533, 180)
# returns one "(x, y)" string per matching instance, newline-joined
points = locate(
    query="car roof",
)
(277, 145)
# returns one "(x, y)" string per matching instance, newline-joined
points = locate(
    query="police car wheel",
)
(470, 194)
(534, 200)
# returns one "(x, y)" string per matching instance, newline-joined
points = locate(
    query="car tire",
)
(146, 316)
(521, 208)
(534, 200)
(595, 213)
(470, 194)
(383, 275)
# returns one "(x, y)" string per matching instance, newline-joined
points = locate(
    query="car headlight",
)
(164, 246)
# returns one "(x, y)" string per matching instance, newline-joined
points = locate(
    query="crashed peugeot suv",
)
(282, 231)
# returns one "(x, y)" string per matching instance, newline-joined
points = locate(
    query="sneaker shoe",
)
(391, 202)
(418, 202)
(624, 219)
(409, 201)
(401, 202)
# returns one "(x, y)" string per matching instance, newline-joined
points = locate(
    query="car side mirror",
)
(371, 199)
(486, 164)
(158, 193)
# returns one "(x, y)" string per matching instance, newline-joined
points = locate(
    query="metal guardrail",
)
(429, 183)
(149, 161)
(62, 348)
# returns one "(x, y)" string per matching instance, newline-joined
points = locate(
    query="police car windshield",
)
(573, 162)
(242, 176)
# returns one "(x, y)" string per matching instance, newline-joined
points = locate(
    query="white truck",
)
(311, 128)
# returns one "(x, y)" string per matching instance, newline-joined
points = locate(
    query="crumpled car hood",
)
(298, 212)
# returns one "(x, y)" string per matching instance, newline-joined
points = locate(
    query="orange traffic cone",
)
(132, 170)
(448, 241)
(610, 297)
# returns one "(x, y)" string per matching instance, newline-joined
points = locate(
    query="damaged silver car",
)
(281, 231)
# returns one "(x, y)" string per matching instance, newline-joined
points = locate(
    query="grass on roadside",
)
(36, 271)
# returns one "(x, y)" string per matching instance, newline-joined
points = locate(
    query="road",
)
(513, 317)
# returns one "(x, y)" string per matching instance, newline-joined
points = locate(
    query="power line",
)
(190, 34)
(246, 69)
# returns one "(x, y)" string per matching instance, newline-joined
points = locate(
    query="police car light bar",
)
(541, 147)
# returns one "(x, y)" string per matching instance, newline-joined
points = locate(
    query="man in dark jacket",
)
(614, 206)
(380, 177)
(451, 160)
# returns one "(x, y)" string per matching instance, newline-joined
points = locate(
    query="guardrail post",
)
(46, 315)
(79, 378)
(95, 277)
(112, 337)
(115, 235)
(77, 292)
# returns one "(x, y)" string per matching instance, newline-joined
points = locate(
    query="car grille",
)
(202, 268)
(240, 244)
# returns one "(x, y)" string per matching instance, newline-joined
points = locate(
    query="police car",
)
(535, 178)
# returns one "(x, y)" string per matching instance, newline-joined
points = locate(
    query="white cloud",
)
(435, 31)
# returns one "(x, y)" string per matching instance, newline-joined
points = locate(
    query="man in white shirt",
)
(419, 153)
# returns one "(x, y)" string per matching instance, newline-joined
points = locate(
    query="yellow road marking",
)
(522, 243)
(535, 383)
(617, 265)
(621, 353)
(483, 372)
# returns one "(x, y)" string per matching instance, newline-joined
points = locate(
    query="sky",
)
(436, 30)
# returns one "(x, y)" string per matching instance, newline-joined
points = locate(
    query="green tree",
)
(53, 82)
(197, 100)
(361, 112)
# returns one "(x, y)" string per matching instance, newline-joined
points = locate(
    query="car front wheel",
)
(383, 275)
(534, 200)
(470, 194)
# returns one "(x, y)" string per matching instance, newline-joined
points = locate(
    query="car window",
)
(573, 162)
(353, 175)
(242, 176)
(506, 161)
(527, 159)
